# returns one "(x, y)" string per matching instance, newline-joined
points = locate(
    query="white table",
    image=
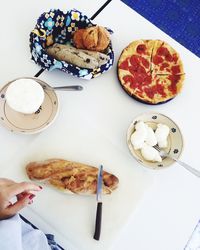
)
(168, 214)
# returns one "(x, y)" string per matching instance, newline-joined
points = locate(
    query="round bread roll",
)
(95, 38)
(103, 39)
(78, 39)
(90, 38)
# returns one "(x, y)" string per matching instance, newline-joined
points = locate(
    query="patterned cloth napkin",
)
(178, 18)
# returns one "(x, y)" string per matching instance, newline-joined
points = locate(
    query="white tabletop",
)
(166, 217)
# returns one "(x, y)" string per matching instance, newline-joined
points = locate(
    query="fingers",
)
(20, 196)
(24, 192)
(16, 207)
(24, 195)
(7, 182)
(23, 187)
(7, 203)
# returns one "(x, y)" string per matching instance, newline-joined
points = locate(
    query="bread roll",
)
(78, 39)
(81, 58)
(71, 55)
(95, 38)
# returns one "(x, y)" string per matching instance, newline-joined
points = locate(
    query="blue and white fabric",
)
(57, 27)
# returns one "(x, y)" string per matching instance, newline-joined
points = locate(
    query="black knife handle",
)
(98, 221)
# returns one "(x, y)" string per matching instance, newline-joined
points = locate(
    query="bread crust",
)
(69, 176)
(79, 57)
(95, 38)
(78, 39)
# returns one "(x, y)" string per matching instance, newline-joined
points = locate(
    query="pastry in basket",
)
(151, 71)
(94, 38)
(70, 177)
(78, 39)
(79, 57)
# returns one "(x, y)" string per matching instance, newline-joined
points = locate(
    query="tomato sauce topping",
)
(139, 93)
(175, 58)
(136, 61)
(162, 51)
(174, 79)
(128, 79)
(124, 64)
(175, 69)
(138, 69)
(156, 89)
(169, 58)
(149, 92)
(160, 90)
(164, 66)
(138, 80)
(145, 62)
(141, 49)
(157, 59)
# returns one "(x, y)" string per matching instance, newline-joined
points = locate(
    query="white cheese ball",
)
(150, 138)
(161, 134)
(139, 136)
(141, 126)
(25, 96)
(137, 139)
(150, 154)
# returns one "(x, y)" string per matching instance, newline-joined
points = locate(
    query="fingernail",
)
(40, 187)
(31, 196)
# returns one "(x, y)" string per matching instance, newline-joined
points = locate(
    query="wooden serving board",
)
(73, 216)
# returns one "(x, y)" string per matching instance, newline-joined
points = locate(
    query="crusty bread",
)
(90, 38)
(79, 57)
(70, 177)
(94, 38)
(72, 55)
(103, 39)
(78, 39)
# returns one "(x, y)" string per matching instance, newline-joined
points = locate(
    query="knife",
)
(99, 204)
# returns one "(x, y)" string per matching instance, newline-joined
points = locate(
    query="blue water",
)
(180, 19)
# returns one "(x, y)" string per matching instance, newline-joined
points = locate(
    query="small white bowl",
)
(24, 95)
(175, 139)
(29, 123)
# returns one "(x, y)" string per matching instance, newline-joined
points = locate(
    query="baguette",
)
(70, 177)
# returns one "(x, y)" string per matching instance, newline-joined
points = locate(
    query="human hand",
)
(22, 191)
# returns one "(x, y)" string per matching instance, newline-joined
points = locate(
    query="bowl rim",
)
(142, 161)
(34, 131)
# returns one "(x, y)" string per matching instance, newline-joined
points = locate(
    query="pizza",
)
(151, 71)
(70, 177)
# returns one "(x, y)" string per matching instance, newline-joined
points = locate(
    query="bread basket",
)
(57, 27)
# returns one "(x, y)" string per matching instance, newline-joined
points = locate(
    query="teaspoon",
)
(66, 88)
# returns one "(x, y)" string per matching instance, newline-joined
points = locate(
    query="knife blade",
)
(99, 204)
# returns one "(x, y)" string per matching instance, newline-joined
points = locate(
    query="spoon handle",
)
(68, 88)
